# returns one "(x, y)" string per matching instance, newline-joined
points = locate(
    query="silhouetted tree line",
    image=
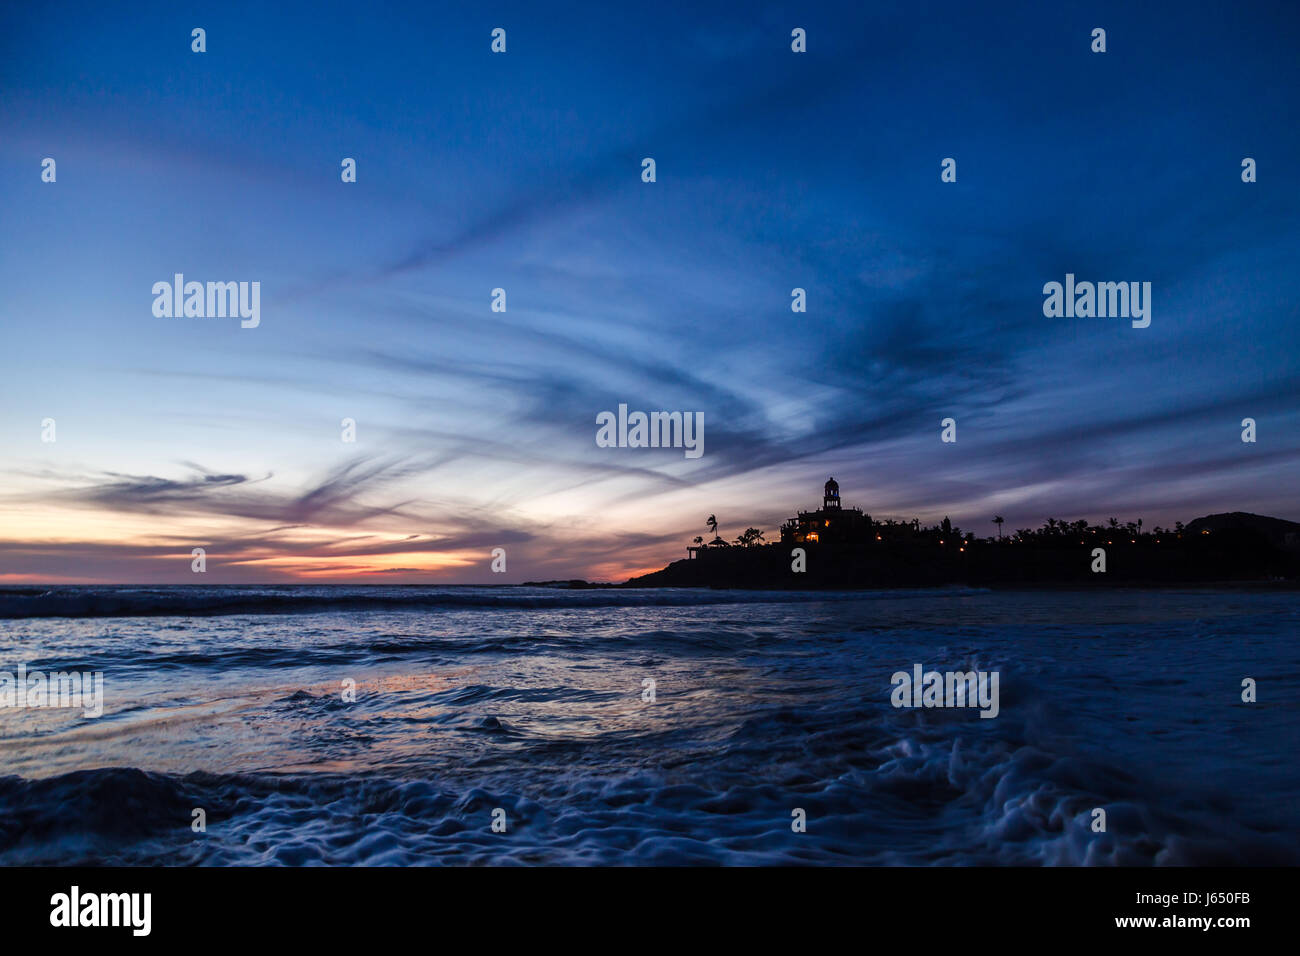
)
(1053, 532)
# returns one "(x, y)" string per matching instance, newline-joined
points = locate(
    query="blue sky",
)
(521, 171)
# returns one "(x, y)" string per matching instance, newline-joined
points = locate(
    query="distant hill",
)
(1277, 531)
(572, 584)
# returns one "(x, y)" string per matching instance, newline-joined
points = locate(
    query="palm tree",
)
(997, 520)
(698, 540)
(713, 525)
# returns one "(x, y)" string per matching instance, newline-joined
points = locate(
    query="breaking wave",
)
(210, 600)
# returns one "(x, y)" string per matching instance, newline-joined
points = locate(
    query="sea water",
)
(394, 725)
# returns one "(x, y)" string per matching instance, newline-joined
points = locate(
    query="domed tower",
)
(831, 496)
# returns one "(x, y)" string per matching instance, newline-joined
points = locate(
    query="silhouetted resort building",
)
(831, 523)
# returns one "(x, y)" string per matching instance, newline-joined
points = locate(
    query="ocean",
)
(460, 725)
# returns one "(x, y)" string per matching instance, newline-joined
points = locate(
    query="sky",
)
(774, 170)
